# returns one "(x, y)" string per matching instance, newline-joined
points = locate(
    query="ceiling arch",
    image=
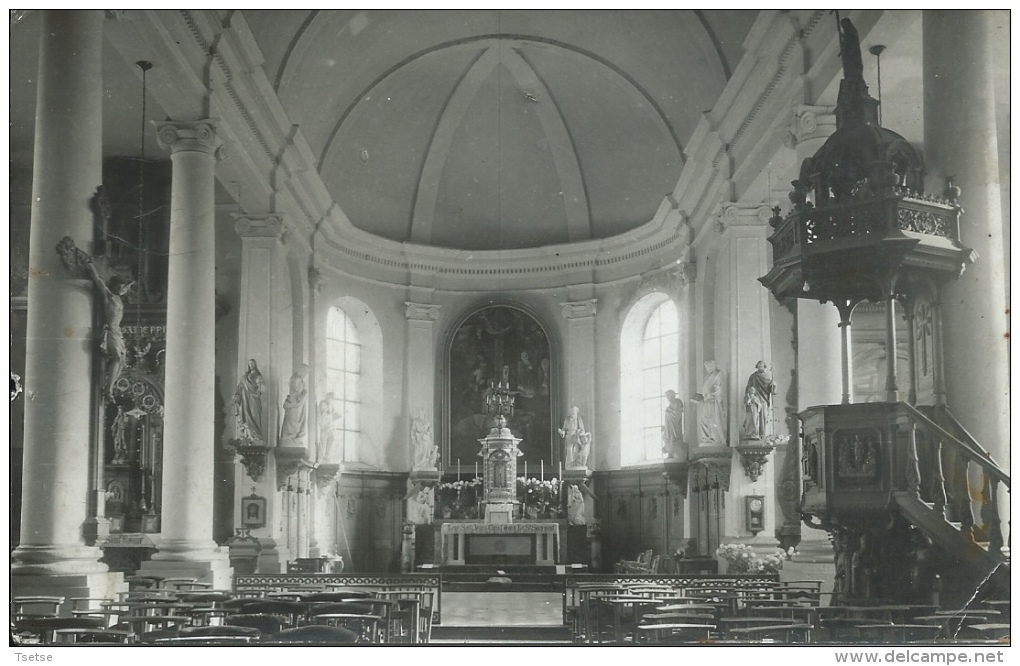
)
(574, 131)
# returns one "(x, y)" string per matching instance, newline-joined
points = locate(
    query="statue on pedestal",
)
(575, 506)
(712, 411)
(295, 410)
(248, 404)
(326, 423)
(576, 441)
(673, 427)
(425, 450)
(758, 403)
(421, 503)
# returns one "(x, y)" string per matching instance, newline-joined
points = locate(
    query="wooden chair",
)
(42, 629)
(217, 635)
(267, 625)
(890, 632)
(95, 636)
(313, 634)
(35, 606)
(780, 633)
(289, 612)
(673, 633)
(357, 617)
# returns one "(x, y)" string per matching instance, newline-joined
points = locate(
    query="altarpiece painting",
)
(501, 345)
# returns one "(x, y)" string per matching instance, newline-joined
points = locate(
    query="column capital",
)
(191, 135)
(742, 215)
(578, 309)
(269, 225)
(421, 311)
(810, 121)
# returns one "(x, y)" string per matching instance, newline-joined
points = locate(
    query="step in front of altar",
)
(500, 578)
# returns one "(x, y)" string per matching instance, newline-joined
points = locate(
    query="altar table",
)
(481, 543)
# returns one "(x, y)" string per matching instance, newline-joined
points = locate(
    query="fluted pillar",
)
(52, 556)
(186, 542)
(960, 141)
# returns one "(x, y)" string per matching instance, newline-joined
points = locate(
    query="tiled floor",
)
(502, 609)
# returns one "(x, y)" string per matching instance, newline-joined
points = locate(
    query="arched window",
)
(649, 346)
(343, 379)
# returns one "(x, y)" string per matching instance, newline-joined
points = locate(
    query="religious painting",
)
(253, 511)
(501, 345)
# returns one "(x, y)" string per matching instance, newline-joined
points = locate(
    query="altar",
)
(504, 544)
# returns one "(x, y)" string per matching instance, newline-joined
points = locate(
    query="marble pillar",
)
(186, 547)
(960, 141)
(52, 557)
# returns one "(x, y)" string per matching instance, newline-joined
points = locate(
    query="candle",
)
(543, 470)
(476, 469)
(525, 470)
(560, 477)
(458, 469)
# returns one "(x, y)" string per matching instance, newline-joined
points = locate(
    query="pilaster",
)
(579, 351)
(421, 367)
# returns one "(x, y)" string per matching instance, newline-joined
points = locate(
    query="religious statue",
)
(326, 418)
(850, 50)
(112, 343)
(758, 403)
(295, 410)
(421, 503)
(119, 428)
(711, 401)
(673, 427)
(575, 506)
(248, 404)
(425, 450)
(576, 441)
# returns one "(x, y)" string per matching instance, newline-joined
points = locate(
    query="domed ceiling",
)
(482, 130)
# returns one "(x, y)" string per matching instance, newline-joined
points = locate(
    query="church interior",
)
(509, 327)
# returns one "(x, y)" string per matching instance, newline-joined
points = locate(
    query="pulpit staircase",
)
(943, 463)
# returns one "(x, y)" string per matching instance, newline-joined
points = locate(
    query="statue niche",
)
(493, 348)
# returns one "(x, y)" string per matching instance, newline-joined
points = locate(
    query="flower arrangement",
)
(459, 499)
(539, 498)
(741, 558)
(462, 499)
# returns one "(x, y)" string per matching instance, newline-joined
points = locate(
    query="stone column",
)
(960, 140)
(260, 258)
(186, 547)
(579, 351)
(52, 558)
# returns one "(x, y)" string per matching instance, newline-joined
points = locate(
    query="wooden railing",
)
(951, 497)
